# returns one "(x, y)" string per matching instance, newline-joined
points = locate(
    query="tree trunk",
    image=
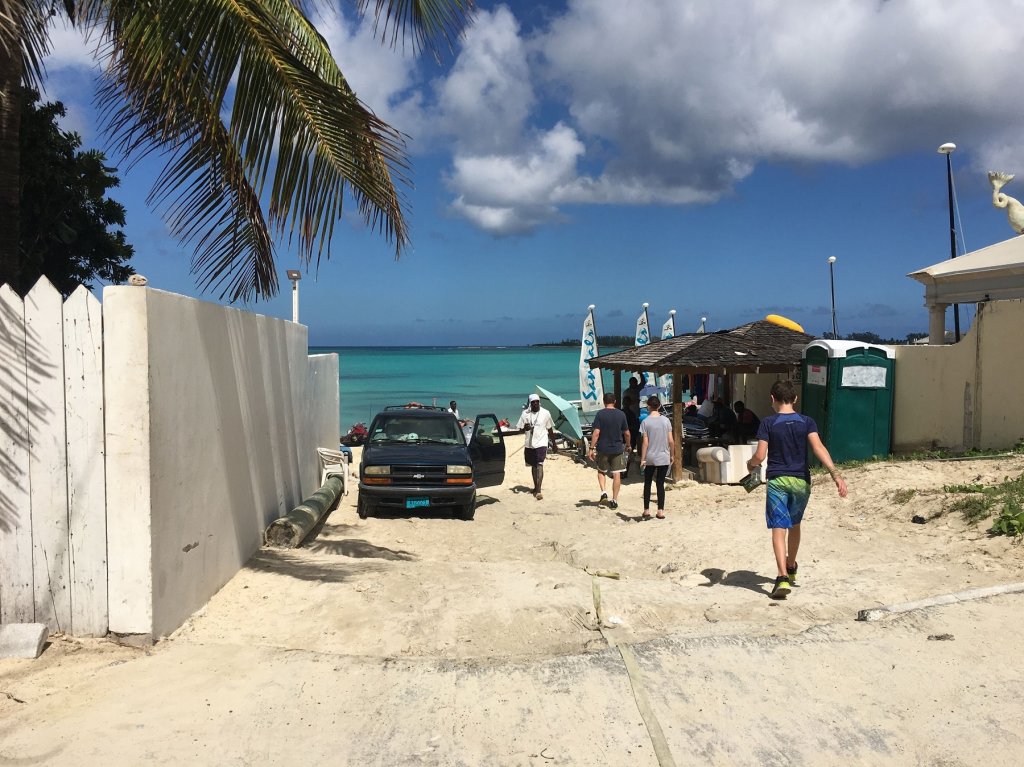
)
(10, 162)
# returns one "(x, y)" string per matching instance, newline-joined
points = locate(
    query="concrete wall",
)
(213, 419)
(324, 393)
(965, 395)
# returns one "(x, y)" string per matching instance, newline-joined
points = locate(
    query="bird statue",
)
(140, 281)
(1014, 209)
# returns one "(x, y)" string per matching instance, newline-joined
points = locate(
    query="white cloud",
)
(669, 102)
(675, 103)
(70, 48)
(487, 97)
(70, 70)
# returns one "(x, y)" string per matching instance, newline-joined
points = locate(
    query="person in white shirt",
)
(536, 423)
(655, 454)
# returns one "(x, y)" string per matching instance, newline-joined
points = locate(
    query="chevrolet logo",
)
(418, 476)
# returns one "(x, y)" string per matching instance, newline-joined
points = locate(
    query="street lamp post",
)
(832, 284)
(947, 149)
(295, 275)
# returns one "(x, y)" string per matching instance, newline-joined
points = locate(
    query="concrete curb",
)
(22, 640)
(877, 613)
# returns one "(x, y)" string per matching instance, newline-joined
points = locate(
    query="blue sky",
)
(702, 157)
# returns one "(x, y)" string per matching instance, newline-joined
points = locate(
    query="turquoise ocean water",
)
(481, 380)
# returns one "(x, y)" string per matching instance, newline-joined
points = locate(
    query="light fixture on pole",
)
(295, 275)
(947, 149)
(832, 284)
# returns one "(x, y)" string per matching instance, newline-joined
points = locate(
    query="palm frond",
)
(292, 133)
(430, 24)
(24, 34)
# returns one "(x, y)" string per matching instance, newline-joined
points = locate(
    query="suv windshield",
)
(403, 428)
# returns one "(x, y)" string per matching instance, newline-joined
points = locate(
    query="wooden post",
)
(290, 530)
(618, 388)
(87, 506)
(677, 426)
(17, 598)
(48, 456)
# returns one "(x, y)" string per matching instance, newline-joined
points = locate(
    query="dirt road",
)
(431, 641)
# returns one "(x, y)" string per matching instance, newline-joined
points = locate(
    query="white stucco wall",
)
(213, 419)
(324, 394)
(965, 395)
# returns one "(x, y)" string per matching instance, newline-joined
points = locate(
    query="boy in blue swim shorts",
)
(783, 438)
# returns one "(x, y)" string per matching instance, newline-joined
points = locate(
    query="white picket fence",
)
(53, 537)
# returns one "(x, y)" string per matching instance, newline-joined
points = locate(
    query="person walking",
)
(610, 442)
(784, 438)
(536, 423)
(656, 453)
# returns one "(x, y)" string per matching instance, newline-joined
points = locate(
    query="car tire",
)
(467, 511)
(362, 508)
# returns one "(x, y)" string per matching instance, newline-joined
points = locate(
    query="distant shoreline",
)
(459, 347)
(609, 341)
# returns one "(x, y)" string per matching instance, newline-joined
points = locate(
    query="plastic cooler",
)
(724, 466)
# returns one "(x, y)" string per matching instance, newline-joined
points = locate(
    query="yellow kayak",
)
(784, 322)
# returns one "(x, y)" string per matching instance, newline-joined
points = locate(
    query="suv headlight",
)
(376, 471)
(459, 474)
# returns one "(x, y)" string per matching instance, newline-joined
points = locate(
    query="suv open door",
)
(487, 451)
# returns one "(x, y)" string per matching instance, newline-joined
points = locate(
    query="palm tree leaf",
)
(428, 23)
(23, 32)
(250, 106)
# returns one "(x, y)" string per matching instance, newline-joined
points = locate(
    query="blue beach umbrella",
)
(563, 413)
(650, 389)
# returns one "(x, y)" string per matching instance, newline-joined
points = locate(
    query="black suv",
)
(421, 458)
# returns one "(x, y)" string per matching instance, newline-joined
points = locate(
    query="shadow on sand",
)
(743, 579)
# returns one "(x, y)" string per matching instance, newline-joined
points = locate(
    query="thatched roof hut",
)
(757, 347)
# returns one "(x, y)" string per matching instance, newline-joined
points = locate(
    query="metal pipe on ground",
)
(290, 530)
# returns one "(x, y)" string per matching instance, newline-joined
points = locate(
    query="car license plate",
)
(416, 503)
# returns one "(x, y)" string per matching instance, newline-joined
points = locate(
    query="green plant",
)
(1009, 523)
(1006, 499)
(972, 488)
(974, 507)
(903, 495)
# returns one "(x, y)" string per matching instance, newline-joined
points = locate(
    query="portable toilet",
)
(847, 388)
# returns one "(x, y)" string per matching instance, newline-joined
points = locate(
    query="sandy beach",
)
(427, 640)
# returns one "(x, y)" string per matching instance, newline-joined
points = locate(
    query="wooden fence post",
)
(87, 504)
(48, 455)
(16, 583)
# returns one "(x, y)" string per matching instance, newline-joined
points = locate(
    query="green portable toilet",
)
(847, 387)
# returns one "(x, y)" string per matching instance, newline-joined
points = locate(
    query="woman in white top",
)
(655, 454)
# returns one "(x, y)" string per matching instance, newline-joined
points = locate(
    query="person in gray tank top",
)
(656, 451)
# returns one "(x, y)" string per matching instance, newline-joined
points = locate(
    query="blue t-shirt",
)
(612, 423)
(786, 434)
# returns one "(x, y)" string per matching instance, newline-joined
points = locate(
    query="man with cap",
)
(536, 423)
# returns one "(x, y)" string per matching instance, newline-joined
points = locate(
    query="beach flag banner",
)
(668, 330)
(642, 338)
(591, 385)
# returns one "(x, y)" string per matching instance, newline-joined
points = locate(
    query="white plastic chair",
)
(334, 462)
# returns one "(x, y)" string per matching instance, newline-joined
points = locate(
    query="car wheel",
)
(467, 511)
(362, 508)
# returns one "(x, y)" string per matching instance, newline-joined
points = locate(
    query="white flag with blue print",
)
(668, 330)
(591, 385)
(642, 338)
